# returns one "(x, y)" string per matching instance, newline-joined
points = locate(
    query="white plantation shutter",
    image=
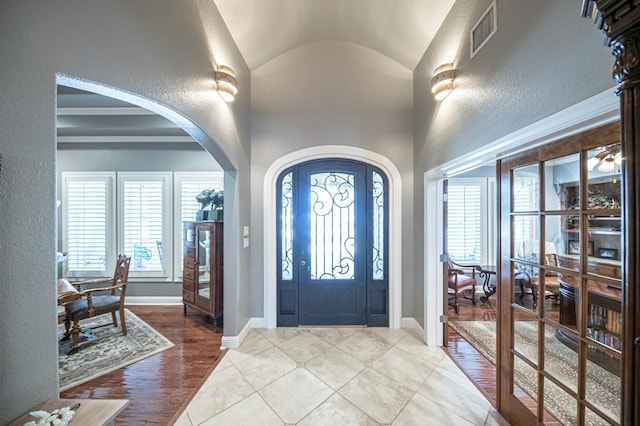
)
(145, 221)
(186, 186)
(465, 224)
(87, 215)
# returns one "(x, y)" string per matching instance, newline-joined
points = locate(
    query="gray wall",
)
(158, 54)
(331, 93)
(543, 59)
(140, 157)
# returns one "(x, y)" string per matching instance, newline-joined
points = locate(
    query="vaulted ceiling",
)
(399, 29)
(264, 29)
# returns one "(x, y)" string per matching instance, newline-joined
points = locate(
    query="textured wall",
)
(330, 93)
(163, 52)
(543, 59)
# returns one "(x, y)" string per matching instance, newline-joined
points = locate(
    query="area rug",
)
(603, 388)
(108, 354)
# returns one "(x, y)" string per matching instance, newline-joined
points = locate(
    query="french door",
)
(332, 245)
(561, 292)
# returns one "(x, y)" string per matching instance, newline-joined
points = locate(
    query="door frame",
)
(395, 222)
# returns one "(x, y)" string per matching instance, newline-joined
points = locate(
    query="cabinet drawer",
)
(189, 262)
(189, 274)
(188, 284)
(188, 296)
(189, 252)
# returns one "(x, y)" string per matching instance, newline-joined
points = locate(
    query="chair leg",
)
(123, 322)
(67, 326)
(75, 334)
(473, 295)
(114, 319)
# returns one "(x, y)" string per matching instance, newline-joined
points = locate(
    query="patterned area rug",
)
(108, 354)
(603, 388)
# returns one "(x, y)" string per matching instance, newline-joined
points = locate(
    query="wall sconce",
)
(226, 83)
(442, 81)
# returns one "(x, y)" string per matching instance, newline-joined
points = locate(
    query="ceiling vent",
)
(484, 29)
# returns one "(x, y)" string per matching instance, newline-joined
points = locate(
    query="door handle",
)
(302, 263)
(636, 341)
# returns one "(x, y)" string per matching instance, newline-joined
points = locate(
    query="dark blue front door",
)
(331, 251)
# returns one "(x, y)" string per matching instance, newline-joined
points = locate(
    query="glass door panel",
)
(204, 266)
(560, 360)
(562, 407)
(525, 338)
(561, 240)
(525, 277)
(525, 384)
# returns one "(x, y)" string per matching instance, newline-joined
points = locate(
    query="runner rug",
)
(109, 354)
(603, 387)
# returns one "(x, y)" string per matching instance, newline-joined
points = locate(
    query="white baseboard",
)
(234, 342)
(412, 324)
(153, 300)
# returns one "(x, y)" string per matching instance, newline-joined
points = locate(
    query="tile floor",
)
(337, 376)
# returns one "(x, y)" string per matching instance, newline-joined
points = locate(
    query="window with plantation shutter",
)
(471, 220)
(87, 223)
(144, 212)
(186, 186)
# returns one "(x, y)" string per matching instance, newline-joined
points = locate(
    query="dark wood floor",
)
(159, 387)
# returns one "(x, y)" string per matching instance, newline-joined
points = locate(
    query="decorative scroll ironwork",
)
(378, 226)
(332, 226)
(286, 234)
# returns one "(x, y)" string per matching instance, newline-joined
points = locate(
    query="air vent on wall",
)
(484, 29)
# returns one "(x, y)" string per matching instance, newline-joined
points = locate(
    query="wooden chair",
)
(92, 302)
(551, 282)
(461, 282)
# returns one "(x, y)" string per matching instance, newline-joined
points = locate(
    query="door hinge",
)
(444, 257)
(445, 198)
(444, 319)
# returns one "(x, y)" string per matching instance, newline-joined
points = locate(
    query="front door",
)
(332, 245)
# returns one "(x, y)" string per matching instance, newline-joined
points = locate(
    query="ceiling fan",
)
(607, 160)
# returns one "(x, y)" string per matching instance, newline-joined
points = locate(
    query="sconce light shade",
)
(442, 81)
(226, 83)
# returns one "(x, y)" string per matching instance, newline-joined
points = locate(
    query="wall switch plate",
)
(245, 231)
(245, 242)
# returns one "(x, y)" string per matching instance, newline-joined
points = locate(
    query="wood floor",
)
(159, 387)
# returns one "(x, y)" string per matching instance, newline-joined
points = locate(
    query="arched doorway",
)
(394, 217)
(332, 241)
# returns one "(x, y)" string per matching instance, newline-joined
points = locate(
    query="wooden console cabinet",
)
(202, 274)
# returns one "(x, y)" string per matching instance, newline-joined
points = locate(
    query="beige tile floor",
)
(337, 376)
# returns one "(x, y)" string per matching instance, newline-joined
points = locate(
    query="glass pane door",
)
(562, 325)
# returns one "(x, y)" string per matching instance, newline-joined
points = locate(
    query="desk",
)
(489, 288)
(94, 412)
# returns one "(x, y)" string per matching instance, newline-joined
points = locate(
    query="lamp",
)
(442, 81)
(226, 83)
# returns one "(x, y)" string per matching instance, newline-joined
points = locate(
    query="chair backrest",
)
(121, 274)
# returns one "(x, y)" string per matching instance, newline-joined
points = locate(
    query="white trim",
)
(104, 111)
(395, 222)
(123, 139)
(153, 300)
(596, 111)
(234, 342)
